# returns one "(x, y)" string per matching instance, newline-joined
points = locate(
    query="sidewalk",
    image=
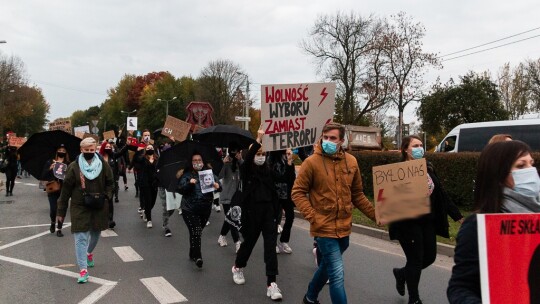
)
(442, 249)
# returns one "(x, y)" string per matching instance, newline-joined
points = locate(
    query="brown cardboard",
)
(108, 135)
(176, 128)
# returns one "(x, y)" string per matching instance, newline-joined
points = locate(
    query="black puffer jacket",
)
(193, 200)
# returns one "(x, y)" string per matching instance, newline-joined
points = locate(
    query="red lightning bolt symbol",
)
(323, 94)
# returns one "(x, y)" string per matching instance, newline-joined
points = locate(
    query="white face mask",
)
(527, 182)
(259, 160)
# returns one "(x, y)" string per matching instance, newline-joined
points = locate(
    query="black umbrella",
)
(41, 147)
(179, 156)
(223, 135)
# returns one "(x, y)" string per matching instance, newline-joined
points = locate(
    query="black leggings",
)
(148, 196)
(195, 223)
(419, 244)
(288, 206)
(260, 218)
(53, 199)
(226, 226)
(11, 175)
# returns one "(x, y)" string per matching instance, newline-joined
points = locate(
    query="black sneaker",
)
(52, 228)
(400, 281)
(199, 262)
(306, 301)
(59, 233)
(112, 224)
(116, 200)
(168, 232)
(126, 188)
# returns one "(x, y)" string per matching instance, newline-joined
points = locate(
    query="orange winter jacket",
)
(325, 191)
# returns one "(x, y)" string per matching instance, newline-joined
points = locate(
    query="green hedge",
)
(457, 171)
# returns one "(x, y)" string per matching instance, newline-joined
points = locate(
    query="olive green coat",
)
(82, 218)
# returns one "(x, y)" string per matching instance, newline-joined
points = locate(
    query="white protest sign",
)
(206, 179)
(131, 123)
(293, 115)
(401, 190)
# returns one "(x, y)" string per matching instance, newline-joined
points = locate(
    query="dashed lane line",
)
(163, 291)
(108, 233)
(29, 226)
(127, 254)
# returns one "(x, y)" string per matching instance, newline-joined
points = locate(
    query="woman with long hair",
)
(506, 182)
(196, 206)
(417, 237)
(48, 175)
(148, 182)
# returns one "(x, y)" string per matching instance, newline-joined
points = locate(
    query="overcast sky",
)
(76, 50)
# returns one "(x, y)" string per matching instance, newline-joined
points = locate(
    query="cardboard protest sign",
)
(61, 124)
(16, 141)
(95, 137)
(108, 135)
(206, 178)
(293, 115)
(509, 252)
(401, 190)
(131, 123)
(177, 128)
(83, 129)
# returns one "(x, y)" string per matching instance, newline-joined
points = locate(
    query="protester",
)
(260, 210)
(506, 182)
(87, 174)
(230, 177)
(48, 175)
(284, 174)
(111, 157)
(196, 205)
(417, 237)
(137, 164)
(148, 182)
(11, 169)
(122, 161)
(500, 137)
(328, 185)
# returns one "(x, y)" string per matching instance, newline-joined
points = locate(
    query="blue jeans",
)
(330, 268)
(85, 242)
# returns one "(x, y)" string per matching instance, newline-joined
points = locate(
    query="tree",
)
(346, 49)
(117, 101)
(514, 90)
(533, 76)
(407, 61)
(218, 84)
(12, 77)
(26, 111)
(475, 99)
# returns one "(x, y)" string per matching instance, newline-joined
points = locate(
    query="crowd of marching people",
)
(255, 188)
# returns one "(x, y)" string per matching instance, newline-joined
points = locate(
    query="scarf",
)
(514, 202)
(92, 170)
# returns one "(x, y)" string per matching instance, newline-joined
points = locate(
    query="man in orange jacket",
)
(326, 189)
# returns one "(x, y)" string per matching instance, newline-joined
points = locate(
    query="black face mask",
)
(88, 156)
(149, 152)
(61, 154)
(232, 153)
(108, 151)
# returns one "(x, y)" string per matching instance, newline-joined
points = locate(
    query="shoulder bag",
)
(91, 200)
(52, 186)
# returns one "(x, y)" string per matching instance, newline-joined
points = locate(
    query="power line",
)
(495, 47)
(488, 43)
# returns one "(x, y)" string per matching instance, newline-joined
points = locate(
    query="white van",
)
(473, 137)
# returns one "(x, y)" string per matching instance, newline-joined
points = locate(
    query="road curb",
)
(443, 249)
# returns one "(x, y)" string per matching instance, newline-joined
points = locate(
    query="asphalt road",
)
(39, 267)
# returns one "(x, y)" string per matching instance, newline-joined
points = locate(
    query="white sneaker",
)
(218, 208)
(238, 245)
(238, 275)
(207, 223)
(144, 216)
(139, 210)
(278, 251)
(285, 248)
(149, 224)
(273, 292)
(180, 211)
(279, 229)
(222, 241)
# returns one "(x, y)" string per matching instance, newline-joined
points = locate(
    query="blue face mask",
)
(329, 147)
(527, 182)
(417, 153)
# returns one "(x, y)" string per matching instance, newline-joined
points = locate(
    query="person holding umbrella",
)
(196, 205)
(49, 175)
(89, 183)
(261, 210)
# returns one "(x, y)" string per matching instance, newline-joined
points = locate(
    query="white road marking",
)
(30, 184)
(92, 298)
(127, 254)
(108, 233)
(27, 239)
(29, 226)
(163, 291)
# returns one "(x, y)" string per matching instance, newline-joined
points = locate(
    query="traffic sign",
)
(95, 122)
(95, 130)
(242, 118)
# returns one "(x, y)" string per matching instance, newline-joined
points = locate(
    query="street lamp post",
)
(246, 109)
(167, 109)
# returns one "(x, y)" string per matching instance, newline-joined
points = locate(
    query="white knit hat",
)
(89, 141)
